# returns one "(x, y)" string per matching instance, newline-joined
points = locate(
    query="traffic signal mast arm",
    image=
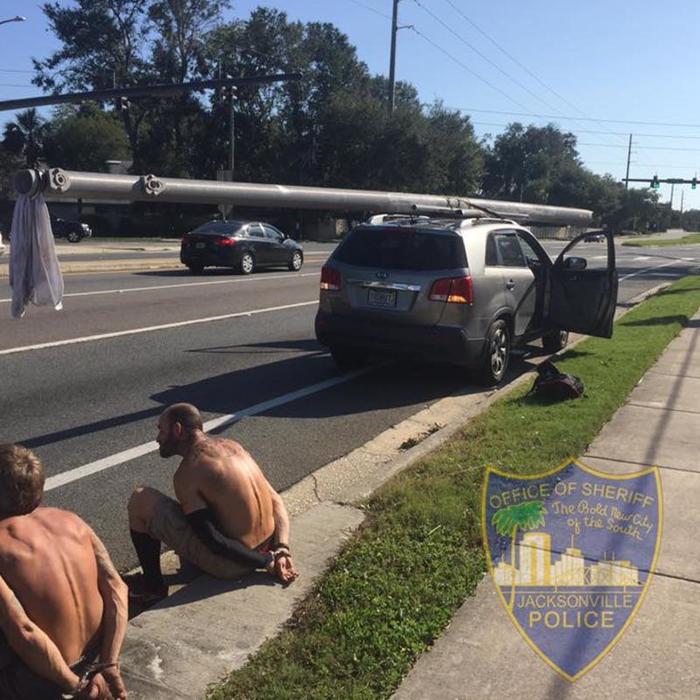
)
(655, 181)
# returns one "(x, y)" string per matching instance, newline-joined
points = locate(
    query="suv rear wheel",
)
(554, 342)
(497, 353)
(74, 237)
(196, 268)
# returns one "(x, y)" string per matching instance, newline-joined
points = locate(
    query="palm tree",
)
(525, 516)
(25, 135)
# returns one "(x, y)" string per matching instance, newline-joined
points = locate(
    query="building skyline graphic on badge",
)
(572, 552)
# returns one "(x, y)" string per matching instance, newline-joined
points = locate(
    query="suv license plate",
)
(381, 298)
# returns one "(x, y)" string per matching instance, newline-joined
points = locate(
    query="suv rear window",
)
(402, 249)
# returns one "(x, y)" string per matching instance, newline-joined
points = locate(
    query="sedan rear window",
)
(402, 249)
(225, 228)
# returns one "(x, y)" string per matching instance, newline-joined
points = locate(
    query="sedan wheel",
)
(497, 353)
(73, 237)
(296, 262)
(247, 264)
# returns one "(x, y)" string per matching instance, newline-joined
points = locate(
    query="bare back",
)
(221, 475)
(47, 559)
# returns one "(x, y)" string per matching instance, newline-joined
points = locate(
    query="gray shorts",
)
(168, 524)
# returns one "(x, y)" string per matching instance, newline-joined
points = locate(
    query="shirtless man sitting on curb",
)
(227, 519)
(63, 607)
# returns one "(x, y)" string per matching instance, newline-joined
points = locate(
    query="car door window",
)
(509, 251)
(491, 252)
(256, 231)
(532, 255)
(273, 235)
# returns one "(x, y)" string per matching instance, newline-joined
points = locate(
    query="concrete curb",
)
(203, 631)
(105, 266)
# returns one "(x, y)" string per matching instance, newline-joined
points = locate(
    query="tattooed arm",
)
(31, 644)
(114, 594)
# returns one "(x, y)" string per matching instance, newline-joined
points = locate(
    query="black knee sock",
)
(148, 552)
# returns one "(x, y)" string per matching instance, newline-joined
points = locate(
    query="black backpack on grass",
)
(553, 385)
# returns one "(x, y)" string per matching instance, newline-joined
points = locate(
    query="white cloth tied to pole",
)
(35, 274)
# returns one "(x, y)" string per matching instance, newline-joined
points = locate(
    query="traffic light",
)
(693, 183)
(655, 182)
(122, 104)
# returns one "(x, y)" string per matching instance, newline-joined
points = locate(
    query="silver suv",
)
(462, 292)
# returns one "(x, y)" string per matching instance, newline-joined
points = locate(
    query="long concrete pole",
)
(74, 185)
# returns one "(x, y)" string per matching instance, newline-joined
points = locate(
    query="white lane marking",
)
(641, 257)
(54, 482)
(689, 259)
(150, 329)
(599, 257)
(649, 269)
(126, 290)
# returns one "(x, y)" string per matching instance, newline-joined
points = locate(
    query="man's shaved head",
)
(171, 438)
(186, 414)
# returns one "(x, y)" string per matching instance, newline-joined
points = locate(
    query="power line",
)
(517, 62)
(469, 70)
(369, 8)
(581, 119)
(482, 55)
(510, 56)
(643, 148)
(593, 131)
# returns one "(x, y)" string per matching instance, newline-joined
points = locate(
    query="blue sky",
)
(619, 61)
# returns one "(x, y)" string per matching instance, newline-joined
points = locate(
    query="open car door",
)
(583, 300)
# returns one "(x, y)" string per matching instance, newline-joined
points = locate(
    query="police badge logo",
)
(572, 552)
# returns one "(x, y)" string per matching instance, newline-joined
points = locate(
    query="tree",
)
(525, 161)
(84, 138)
(507, 521)
(25, 135)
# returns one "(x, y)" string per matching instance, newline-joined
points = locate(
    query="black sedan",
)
(242, 245)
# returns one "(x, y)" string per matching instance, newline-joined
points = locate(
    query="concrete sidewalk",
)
(482, 655)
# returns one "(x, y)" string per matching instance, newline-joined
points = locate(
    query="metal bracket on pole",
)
(59, 180)
(152, 185)
(30, 182)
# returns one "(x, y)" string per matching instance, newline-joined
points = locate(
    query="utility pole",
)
(392, 58)
(232, 120)
(682, 193)
(629, 157)
(671, 202)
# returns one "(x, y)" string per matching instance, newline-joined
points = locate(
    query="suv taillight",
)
(330, 278)
(183, 240)
(454, 290)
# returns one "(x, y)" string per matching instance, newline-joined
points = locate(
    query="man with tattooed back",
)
(63, 607)
(227, 519)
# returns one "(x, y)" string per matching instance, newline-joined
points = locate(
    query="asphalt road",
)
(231, 345)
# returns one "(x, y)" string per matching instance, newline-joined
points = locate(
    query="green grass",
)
(662, 243)
(398, 582)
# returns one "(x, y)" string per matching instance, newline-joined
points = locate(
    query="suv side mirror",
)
(575, 263)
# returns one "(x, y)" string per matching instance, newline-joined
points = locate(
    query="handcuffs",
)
(282, 550)
(86, 679)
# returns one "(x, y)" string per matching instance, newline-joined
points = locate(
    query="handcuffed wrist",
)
(79, 688)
